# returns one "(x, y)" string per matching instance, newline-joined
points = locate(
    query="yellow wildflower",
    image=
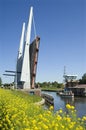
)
(51, 108)
(60, 111)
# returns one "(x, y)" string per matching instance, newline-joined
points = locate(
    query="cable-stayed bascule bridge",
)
(26, 66)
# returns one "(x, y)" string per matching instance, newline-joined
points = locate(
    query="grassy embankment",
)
(18, 112)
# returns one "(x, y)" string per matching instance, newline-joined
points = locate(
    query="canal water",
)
(78, 102)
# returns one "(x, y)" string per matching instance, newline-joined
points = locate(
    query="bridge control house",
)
(71, 83)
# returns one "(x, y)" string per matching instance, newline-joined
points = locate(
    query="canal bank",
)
(78, 102)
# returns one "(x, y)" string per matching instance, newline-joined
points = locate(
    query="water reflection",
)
(78, 102)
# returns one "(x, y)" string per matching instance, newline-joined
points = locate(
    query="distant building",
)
(71, 83)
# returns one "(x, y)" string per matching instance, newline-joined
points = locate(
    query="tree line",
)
(50, 84)
(54, 84)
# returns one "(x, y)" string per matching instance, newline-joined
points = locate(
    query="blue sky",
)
(61, 25)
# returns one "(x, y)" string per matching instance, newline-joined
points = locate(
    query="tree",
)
(0, 81)
(83, 80)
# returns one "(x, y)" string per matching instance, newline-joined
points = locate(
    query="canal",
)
(78, 102)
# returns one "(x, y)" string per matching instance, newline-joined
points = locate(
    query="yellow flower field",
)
(18, 112)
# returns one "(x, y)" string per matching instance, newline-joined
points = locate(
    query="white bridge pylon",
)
(23, 65)
(20, 53)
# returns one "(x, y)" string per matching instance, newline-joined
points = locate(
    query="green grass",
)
(51, 89)
(26, 96)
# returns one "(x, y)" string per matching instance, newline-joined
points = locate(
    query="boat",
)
(66, 94)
